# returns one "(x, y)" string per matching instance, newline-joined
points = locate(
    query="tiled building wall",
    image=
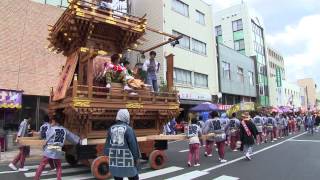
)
(25, 63)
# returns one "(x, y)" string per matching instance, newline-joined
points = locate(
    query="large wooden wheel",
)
(71, 159)
(157, 159)
(100, 168)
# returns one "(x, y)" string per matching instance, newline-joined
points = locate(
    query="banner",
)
(10, 99)
(66, 77)
(246, 106)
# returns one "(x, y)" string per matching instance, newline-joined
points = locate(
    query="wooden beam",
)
(41, 143)
(161, 32)
(162, 44)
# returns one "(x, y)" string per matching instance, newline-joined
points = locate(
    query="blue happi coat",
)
(122, 149)
(23, 129)
(56, 137)
(43, 130)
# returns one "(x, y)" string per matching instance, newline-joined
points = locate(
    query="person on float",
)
(248, 133)
(152, 67)
(234, 134)
(121, 140)
(23, 150)
(115, 73)
(56, 137)
(215, 126)
(193, 134)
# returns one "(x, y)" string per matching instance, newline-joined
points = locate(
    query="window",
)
(200, 17)
(200, 80)
(237, 25)
(239, 45)
(261, 89)
(226, 70)
(180, 7)
(199, 47)
(184, 41)
(218, 31)
(182, 76)
(240, 74)
(251, 78)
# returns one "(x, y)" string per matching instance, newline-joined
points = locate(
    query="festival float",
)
(88, 34)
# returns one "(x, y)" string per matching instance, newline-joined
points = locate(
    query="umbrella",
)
(205, 107)
(285, 109)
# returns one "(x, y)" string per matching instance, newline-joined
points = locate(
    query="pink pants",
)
(194, 153)
(275, 132)
(233, 141)
(209, 145)
(220, 146)
(45, 160)
(260, 137)
(21, 156)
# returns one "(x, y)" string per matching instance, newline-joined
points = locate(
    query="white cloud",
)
(304, 38)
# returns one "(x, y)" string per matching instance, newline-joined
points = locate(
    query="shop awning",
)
(10, 99)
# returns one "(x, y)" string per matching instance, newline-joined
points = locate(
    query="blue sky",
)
(293, 28)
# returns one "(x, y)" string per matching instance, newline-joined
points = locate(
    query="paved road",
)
(294, 158)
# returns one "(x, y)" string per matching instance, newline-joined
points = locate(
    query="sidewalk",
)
(8, 156)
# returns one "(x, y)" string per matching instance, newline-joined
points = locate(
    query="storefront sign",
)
(224, 107)
(10, 99)
(195, 96)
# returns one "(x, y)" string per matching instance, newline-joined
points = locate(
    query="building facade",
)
(237, 76)
(310, 88)
(195, 74)
(289, 95)
(240, 30)
(27, 67)
(276, 75)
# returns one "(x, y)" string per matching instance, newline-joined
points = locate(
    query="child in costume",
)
(55, 139)
(193, 133)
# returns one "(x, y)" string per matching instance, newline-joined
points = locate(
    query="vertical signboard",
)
(278, 77)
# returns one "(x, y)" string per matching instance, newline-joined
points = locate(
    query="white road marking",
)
(224, 177)
(8, 172)
(75, 177)
(189, 176)
(69, 170)
(28, 167)
(304, 140)
(259, 151)
(159, 172)
(36, 166)
(186, 150)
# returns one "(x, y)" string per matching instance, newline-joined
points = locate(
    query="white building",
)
(276, 74)
(289, 95)
(195, 66)
(241, 30)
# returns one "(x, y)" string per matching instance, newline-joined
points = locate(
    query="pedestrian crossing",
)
(83, 173)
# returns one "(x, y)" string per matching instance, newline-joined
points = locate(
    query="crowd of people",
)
(241, 134)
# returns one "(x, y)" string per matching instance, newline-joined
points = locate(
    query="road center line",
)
(304, 140)
(259, 151)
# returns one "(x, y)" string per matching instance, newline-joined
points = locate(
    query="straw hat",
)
(245, 115)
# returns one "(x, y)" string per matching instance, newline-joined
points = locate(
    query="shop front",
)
(189, 99)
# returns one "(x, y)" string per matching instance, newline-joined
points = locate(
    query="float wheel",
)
(71, 159)
(100, 168)
(157, 159)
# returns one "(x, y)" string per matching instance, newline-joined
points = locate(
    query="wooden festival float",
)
(85, 33)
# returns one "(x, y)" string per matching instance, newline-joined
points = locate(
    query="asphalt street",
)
(292, 158)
